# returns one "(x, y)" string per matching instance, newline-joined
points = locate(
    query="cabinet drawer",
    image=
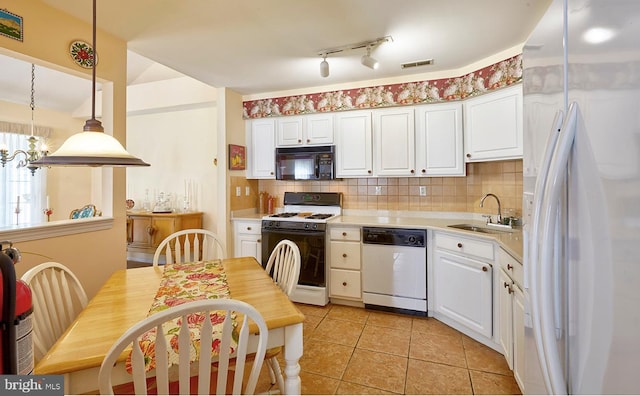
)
(465, 245)
(511, 266)
(345, 234)
(248, 227)
(345, 283)
(345, 255)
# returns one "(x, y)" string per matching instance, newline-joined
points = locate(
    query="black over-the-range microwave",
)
(305, 163)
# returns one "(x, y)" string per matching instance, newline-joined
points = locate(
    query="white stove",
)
(310, 207)
(303, 221)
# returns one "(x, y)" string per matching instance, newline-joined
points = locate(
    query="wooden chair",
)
(58, 297)
(186, 369)
(190, 245)
(284, 267)
(84, 212)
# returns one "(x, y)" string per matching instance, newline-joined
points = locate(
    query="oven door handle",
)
(293, 232)
(317, 167)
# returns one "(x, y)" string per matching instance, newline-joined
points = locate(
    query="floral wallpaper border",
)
(498, 75)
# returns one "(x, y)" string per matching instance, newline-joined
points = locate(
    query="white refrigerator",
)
(581, 185)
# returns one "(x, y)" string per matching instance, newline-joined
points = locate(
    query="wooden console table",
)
(145, 230)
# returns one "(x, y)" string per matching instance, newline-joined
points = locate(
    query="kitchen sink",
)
(475, 228)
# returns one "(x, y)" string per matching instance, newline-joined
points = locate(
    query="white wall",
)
(180, 143)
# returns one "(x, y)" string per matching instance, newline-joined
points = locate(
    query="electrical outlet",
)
(423, 191)
(238, 191)
(247, 191)
(378, 190)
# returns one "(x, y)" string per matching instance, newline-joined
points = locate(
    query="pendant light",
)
(92, 147)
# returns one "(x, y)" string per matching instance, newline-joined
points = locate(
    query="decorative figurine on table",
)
(48, 212)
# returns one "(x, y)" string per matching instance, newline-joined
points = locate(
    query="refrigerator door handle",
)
(552, 194)
(531, 274)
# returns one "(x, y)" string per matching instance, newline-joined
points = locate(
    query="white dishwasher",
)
(394, 269)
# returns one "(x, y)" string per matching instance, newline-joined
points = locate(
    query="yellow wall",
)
(47, 34)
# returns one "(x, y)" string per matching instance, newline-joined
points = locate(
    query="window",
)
(20, 189)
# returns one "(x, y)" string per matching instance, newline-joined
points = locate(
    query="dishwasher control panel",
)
(394, 236)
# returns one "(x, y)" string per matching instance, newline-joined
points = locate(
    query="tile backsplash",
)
(443, 194)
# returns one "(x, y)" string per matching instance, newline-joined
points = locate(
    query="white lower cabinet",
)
(248, 239)
(462, 271)
(345, 280)
(511, 313)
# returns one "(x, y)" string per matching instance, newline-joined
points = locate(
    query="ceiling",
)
(254, 46)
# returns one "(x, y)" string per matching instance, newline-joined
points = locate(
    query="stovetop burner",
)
(284, 214)
(319, 216)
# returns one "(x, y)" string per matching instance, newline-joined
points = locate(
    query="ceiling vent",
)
(417, 63)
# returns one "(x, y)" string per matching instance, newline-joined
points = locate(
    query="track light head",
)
(324, 67)
(368, 61)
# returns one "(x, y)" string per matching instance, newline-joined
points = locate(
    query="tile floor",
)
(351, 350)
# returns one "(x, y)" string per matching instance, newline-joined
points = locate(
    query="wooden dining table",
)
(125, 299)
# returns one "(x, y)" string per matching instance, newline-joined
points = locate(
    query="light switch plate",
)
(423, 191)
(378, 190)
(247, 191)
(238, 191)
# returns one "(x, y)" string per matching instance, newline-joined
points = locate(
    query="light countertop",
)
(512, 242)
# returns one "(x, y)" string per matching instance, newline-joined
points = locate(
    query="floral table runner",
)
(182, 283)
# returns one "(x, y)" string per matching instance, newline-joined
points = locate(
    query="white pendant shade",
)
(91, 149)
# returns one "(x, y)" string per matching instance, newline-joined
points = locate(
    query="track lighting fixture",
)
(368, 61)
(324, 66)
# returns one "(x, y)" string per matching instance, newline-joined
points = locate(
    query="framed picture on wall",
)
(11, 25)
(237, 157)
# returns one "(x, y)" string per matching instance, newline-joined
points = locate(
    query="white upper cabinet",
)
(290, 131)
(261, 158)
(394, 142)
(319, 129)
(493, 125)
(439, 140)
(354, 144)
(314, 129)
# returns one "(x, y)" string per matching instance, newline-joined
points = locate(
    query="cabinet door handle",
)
(271, 173)
(506, 284)
(459, 244)
(259, 241)
(510, 290)
(308, 140)
(344, 255)
(248, 228)
(484, 269)
(344, 234)
(468, 155)
(509, 266)
(413, 171)
(344, 283)
(299, 140)
(369, 171)
(150, 230)
(424, 171)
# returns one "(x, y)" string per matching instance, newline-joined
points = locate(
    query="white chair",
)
(189, 246)
(284, 267)
(58, 297)
(186, 369)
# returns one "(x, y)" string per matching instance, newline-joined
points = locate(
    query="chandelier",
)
(32, 154)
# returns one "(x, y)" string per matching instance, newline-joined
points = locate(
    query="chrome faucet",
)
(499, 219)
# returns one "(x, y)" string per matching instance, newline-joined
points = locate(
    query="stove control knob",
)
(412, 239)
(315, 226)
(306, 226)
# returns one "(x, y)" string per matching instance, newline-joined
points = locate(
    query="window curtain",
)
(21, 191)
